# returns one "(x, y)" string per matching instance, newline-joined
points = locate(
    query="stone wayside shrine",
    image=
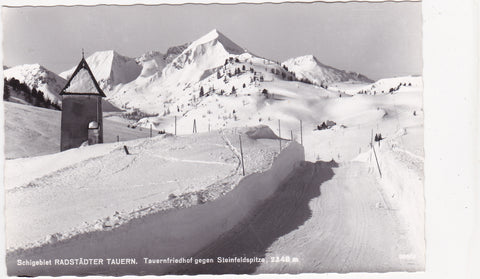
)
(82, 119)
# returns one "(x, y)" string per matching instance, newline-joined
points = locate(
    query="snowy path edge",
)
(217, 217)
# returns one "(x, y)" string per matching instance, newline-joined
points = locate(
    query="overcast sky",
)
(375, 39)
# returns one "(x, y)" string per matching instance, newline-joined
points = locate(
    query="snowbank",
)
(174, 233)
(261, 132)
(401, 188)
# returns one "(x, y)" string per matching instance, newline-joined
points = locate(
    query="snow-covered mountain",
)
(201, 79)
(38, 77)
(151, 62)
(174, 51)
(310, 68)
(214, 78)
(201, 56)
(182, 68)
(381, 86)
(110, 68)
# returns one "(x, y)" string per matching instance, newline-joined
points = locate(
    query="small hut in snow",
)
(82, 119)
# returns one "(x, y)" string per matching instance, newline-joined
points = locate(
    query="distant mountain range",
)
(309, 67)
(214, 83)
(176, 82)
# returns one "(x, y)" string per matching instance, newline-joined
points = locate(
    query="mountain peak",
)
(215, 36)
(212, 35)
(309, 58)
(214, 32)
(309, 67)
(109, 68)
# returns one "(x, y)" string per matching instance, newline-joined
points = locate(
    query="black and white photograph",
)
(216, 138)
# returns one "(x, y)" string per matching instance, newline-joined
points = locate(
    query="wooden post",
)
(118, 138)
(209, 127)
(150, 130)
(301, 133)
(194, 126)
(175, 125)
(241, 154)
(291, 135)
(279, 135)
(378, 165)
(371, 138)
(279, 131)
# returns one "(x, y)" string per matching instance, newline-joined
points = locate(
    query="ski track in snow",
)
(325, 215)
(191, 161)
(347, 231)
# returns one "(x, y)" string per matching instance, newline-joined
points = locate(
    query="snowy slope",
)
(110, 68)
(38, 77)
(32, 131)
(381, 86)
(133, 188)
(220, 68)
(206, 53)
(337, 214)
(310, 68)
(174, 51)
(152, 63)
(185, 66)
(169, 84)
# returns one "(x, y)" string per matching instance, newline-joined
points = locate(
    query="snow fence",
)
(174, 233)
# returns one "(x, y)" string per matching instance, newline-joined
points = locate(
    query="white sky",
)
(375, 39)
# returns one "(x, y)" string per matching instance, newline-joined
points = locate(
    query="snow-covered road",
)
(351, 229)
(325, 218)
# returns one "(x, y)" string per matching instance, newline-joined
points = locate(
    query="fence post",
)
(279, 135)
(375, 153)
(194, 126)
(301, 133)
(241, 154)
(118, 138)
(150, 130)
(371, 138)
(175, 125)
(378, 165)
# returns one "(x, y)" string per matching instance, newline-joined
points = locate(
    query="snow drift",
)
(174, 233)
